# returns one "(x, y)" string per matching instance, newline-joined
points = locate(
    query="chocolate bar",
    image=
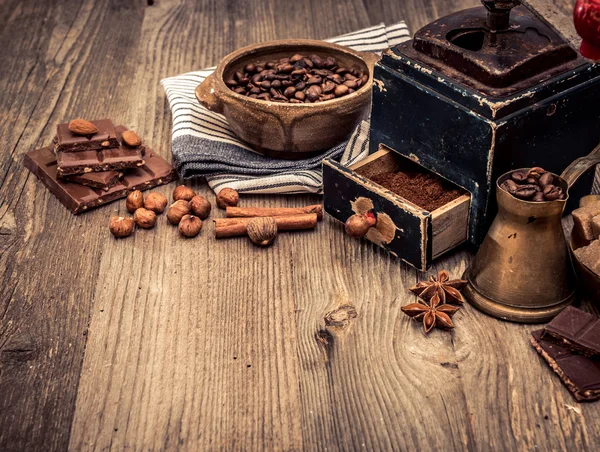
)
(82, 162)
(80, 198)
(102, 180)
(106, 137)
(576, 330)
(580, 374)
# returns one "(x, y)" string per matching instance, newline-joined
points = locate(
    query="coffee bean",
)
(311, 78)
(328, 86)
(289, 92)
(546, 179)
(340, 90)
(535, 184)
(552, 192)
(524, 192)
(519, 176)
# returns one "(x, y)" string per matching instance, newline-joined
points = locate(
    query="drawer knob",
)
(358, 224)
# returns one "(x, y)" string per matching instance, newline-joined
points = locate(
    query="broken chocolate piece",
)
(80, 198)
(114, 159)
(576, 330)
(102, 179)
(106, 137)
(580, 374)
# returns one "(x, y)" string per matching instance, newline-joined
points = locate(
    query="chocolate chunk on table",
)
(106, 137)
(80, 198)
(576, 330)
(82, 162)
(102, 179)
(580, 374)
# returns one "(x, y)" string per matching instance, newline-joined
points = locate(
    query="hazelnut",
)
(359, 224)
(121, 226)
(262, 230)
(190, 225)
(177, 210)
(155, 202)
(200, 206)
(183, 192)
(227, 197)
(144, 218)
(134, 201)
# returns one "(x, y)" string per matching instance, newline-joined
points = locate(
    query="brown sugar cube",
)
(596, 227)
(582, 218)
(590, 256)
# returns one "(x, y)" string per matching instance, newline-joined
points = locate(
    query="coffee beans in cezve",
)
(536, 185)
(298, 79)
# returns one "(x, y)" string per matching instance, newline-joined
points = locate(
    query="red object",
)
(587, 23)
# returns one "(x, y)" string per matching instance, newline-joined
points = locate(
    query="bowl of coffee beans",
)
(291, 98)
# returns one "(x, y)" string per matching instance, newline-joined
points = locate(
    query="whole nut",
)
(134, 201)
(227, 197)
(177, 210)
(183, 192)
(130, 138)
(144, 218)
(190, 225)
(200, 206)
(155, 202)
(262, 230)
(121, 226)
(82, 127)
(359, 224)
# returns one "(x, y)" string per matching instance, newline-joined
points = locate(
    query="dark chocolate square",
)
(106, 137)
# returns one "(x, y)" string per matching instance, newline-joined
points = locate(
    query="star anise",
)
(433, 314)
(447, 289)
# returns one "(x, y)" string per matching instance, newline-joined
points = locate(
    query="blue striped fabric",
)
(205, 146)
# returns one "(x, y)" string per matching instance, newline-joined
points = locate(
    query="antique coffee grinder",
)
(483, 91)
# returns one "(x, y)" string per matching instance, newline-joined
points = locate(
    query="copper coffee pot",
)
(523, 271)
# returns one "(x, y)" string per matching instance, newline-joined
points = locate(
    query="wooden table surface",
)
(160, 343)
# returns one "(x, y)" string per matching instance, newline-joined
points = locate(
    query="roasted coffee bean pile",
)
(298, 79)
(535, 185)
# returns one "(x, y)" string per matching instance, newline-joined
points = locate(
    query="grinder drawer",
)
(403, 228)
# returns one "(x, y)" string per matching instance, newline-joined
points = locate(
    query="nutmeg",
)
(155, 202)
(359, 224)
(190, 225)
(200, 206)
(134, 201)
(177, 210)
(121, 226)
(262, 230)
(144, 218)
(183, 192)
(228, 197)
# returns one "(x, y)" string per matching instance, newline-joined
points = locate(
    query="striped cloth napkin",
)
(205, 146)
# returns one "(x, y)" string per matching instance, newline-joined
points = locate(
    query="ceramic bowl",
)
(289, 130)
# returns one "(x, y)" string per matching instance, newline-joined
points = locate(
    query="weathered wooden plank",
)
(175, 323)
(57, 62)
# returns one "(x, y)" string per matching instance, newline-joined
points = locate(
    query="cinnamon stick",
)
(233, 227)
(247, 212)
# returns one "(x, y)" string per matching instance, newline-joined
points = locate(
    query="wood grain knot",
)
(17, 355)
(341, 317)
(325, 341)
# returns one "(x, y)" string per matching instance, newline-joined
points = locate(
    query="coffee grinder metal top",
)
(483, 91)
